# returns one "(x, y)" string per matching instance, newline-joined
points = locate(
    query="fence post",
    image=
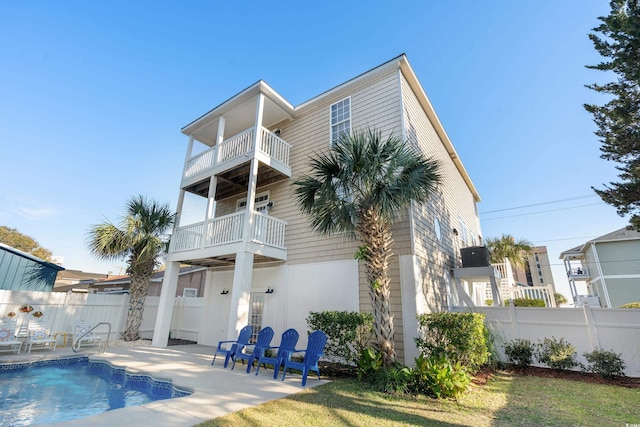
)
(515, 330)
(591, 326)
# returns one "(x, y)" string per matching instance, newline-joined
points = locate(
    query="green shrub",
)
(488, 302)
(520, 352)
(369, 363)
(347, 333)
(631, 305)
(526, 302)
(387, 379)
(458, 337)
(605, 363)
(437, 377)
(557, 354)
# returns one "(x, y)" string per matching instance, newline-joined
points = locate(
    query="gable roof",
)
(621, 234)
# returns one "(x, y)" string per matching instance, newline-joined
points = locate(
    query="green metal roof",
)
(20, 271)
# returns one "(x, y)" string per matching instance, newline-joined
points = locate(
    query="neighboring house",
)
(609, 266)
(265, 264)
(190, 283)
(76, 280)
(20, 271)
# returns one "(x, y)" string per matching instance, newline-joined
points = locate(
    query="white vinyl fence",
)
(585, 328)
(62, 309)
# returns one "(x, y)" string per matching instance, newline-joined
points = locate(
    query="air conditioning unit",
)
(475, 256)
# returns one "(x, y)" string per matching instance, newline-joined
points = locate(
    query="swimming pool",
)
(57, 390)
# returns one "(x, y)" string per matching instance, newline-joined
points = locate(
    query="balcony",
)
(580, 273)
(215, 242)
(230, 161)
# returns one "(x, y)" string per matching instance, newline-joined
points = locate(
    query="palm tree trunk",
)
(375, 233)
(137, 295)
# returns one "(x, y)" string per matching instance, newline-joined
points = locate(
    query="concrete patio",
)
(216, 391)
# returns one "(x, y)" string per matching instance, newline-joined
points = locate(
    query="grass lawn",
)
(506, 400)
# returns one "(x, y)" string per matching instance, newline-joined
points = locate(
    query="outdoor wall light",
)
(269, 206)
(455, 231)
(269, 291)
(225, 291)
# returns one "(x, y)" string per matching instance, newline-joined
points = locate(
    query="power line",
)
(538, 212)
(541, 203)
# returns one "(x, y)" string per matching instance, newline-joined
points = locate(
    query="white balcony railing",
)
(274, 146)
(268, 230)
(579, 272)
(544, 293)
(187, 237)
(238, 146)
(227, 229)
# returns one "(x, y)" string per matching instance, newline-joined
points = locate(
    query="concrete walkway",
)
(216, 391)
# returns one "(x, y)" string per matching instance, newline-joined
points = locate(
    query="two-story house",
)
(608, 267)
(266, 267)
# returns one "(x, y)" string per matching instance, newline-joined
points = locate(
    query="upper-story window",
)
(261, 202)
(340, 119)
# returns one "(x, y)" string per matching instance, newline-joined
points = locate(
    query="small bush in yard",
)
(631, 305)
(347, 333)
(387, 379)
(436, 376)
(458, 337)
(520, 352)
(369, 363)
(557, 354)
(605, 363)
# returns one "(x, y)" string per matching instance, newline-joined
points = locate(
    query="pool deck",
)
(216, 391)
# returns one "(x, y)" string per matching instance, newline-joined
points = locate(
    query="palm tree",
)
(141, 239)
(507, 247)
(357, 188)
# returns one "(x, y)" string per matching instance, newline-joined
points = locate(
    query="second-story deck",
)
(230, 161)
(215, 242)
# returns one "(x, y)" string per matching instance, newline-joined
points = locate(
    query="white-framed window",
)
(340, 118)
(463, 230)
(261, 202)
(190, 292)
(437, 228)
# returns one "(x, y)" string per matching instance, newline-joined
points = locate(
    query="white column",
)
(165, 305)
(413, 303)
(188, 155)
(259, 114)
(240, 294)
(219, 139)
(253, 173)
(211, 203)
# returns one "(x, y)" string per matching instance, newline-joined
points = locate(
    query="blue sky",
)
(93, 96)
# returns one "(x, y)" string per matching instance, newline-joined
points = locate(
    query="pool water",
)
(66, 389)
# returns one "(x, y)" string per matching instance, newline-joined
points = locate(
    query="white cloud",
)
(36, 213)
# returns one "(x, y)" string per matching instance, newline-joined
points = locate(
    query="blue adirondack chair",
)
(264, 341)
(287, 346)
(315, 350)
(230, 348)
